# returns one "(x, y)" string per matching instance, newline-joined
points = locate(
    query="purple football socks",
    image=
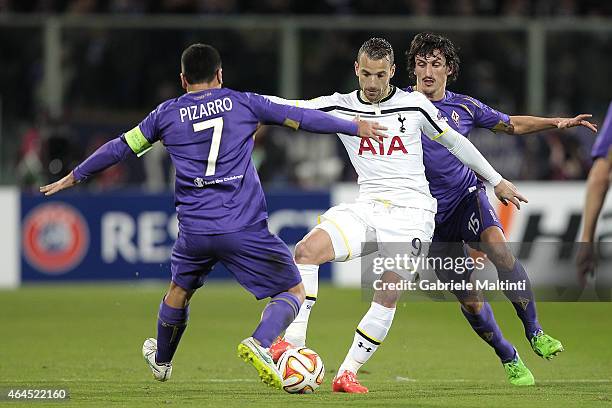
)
(171, 324)
(486, 327)
(276, 317)
(522, 300)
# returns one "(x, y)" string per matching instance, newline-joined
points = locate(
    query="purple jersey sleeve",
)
(138, 141)
(310, 120)
(110, 153)
(603, 143)
(141, 138)
(486, 117)
(149, 125)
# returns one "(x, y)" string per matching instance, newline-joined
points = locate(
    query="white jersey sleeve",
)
(434, 127)
(315, 103)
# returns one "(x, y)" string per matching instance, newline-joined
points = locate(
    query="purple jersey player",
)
(208, 133)
(464, 212)
(597, 187)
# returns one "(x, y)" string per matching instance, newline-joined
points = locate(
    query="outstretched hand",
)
(580, 120)
(370, 129)
(586, 261)
(66, 182)
(506, 191)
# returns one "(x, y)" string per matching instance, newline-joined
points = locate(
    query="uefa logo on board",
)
(55, 238)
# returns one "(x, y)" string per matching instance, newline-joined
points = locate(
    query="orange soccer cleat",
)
(347, 382)
(278, 347)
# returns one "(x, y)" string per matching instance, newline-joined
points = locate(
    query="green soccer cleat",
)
(518, 373)
(545, 346)
(251, 352)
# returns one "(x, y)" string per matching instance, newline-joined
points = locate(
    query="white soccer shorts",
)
(391, 227)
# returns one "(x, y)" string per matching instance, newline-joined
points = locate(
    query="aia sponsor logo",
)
(368, 145)
(55, 238)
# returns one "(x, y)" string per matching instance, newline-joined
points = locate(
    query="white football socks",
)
(296, 332)
(370, 333)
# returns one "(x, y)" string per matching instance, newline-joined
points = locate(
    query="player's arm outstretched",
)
(437, 129)
(488, 118)
(106, 156)
(310, 119)
(522, 125)
(137, 142)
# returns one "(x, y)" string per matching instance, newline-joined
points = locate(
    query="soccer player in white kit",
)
(394, 203)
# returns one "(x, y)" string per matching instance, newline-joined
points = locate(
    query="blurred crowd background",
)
(111, 78)
(363, 7)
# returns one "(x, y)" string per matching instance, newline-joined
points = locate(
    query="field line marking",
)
(459, 380)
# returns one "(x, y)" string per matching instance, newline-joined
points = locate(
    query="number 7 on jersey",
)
(217, 125)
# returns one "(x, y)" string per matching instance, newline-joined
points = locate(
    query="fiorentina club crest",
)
(455, 117)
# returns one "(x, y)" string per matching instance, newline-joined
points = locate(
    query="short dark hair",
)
(424, 45)
(376, 48)
(199, 63)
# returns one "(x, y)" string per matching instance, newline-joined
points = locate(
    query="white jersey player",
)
(394, 203)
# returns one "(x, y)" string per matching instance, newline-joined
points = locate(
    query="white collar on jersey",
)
(386, 98)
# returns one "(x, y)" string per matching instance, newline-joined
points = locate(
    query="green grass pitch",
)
(88, 339)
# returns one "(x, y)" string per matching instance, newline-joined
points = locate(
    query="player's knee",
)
(301, 254)
(472, 306)
(496, 248)
(387, 298)
(306, 253)
(299, 292)
(389, 303)
(501, 257)
(177, 296)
